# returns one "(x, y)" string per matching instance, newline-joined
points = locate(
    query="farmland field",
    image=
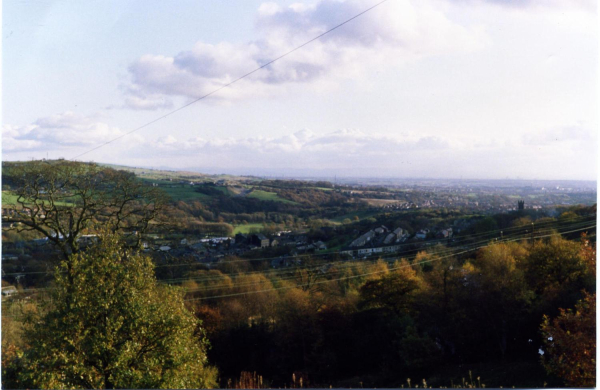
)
(245, 229)
(272, 196)
(8, 198)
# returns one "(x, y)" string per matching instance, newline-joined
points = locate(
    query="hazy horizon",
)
(315, 175)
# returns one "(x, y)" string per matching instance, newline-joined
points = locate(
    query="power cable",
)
(582, 220)
(208, 278)
(394, 256)
(232, 82)
(366, 274)
(428, 242)
(524, 237)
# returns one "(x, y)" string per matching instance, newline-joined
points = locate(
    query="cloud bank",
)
(555, 153)
(60, 133)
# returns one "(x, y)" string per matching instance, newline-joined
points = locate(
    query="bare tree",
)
(62, 199)
(311, 272)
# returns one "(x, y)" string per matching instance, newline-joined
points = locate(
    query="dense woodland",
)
(493, 309)
(433, 317)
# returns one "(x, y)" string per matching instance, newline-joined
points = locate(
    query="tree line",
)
(404, 319)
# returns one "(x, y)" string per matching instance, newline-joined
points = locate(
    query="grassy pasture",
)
(245, 229)
(272, 196)
(8, 198)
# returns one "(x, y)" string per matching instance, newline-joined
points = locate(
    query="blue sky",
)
(443, 88)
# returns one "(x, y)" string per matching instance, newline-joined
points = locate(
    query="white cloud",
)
(14, 138)
(393, 33)
(167, 140)
(148, 102)
(345, 150)
(60, 132)
(586, 5)
(555, 153)
(304, 143)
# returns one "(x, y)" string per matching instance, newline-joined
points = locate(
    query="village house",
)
(389, 238)
(260, 240)
(422, 234)
(373, 250)
(8, 291)
(363, 240)
(320, 246)
(87, 239)
(445, 233)
(380, 230)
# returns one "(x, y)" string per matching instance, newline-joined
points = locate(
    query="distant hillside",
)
(150, 173)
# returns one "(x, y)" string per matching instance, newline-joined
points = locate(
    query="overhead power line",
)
(397, 256)
(286, 274)
(289, 270)
(508, 233)
(366, 274)
(232, 82)
(321, 263)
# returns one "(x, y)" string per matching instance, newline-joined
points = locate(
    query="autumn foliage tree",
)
(111, 325)
(570, 343)
(395, 290)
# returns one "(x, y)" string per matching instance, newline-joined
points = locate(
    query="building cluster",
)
(297, 242)
(209, 250)
(381, 240)
(376, 241)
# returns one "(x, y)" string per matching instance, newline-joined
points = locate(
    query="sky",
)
(477, 89)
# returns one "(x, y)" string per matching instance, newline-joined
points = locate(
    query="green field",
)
(8, 198)
(160, 174)
(245, 229)
(272, 196)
